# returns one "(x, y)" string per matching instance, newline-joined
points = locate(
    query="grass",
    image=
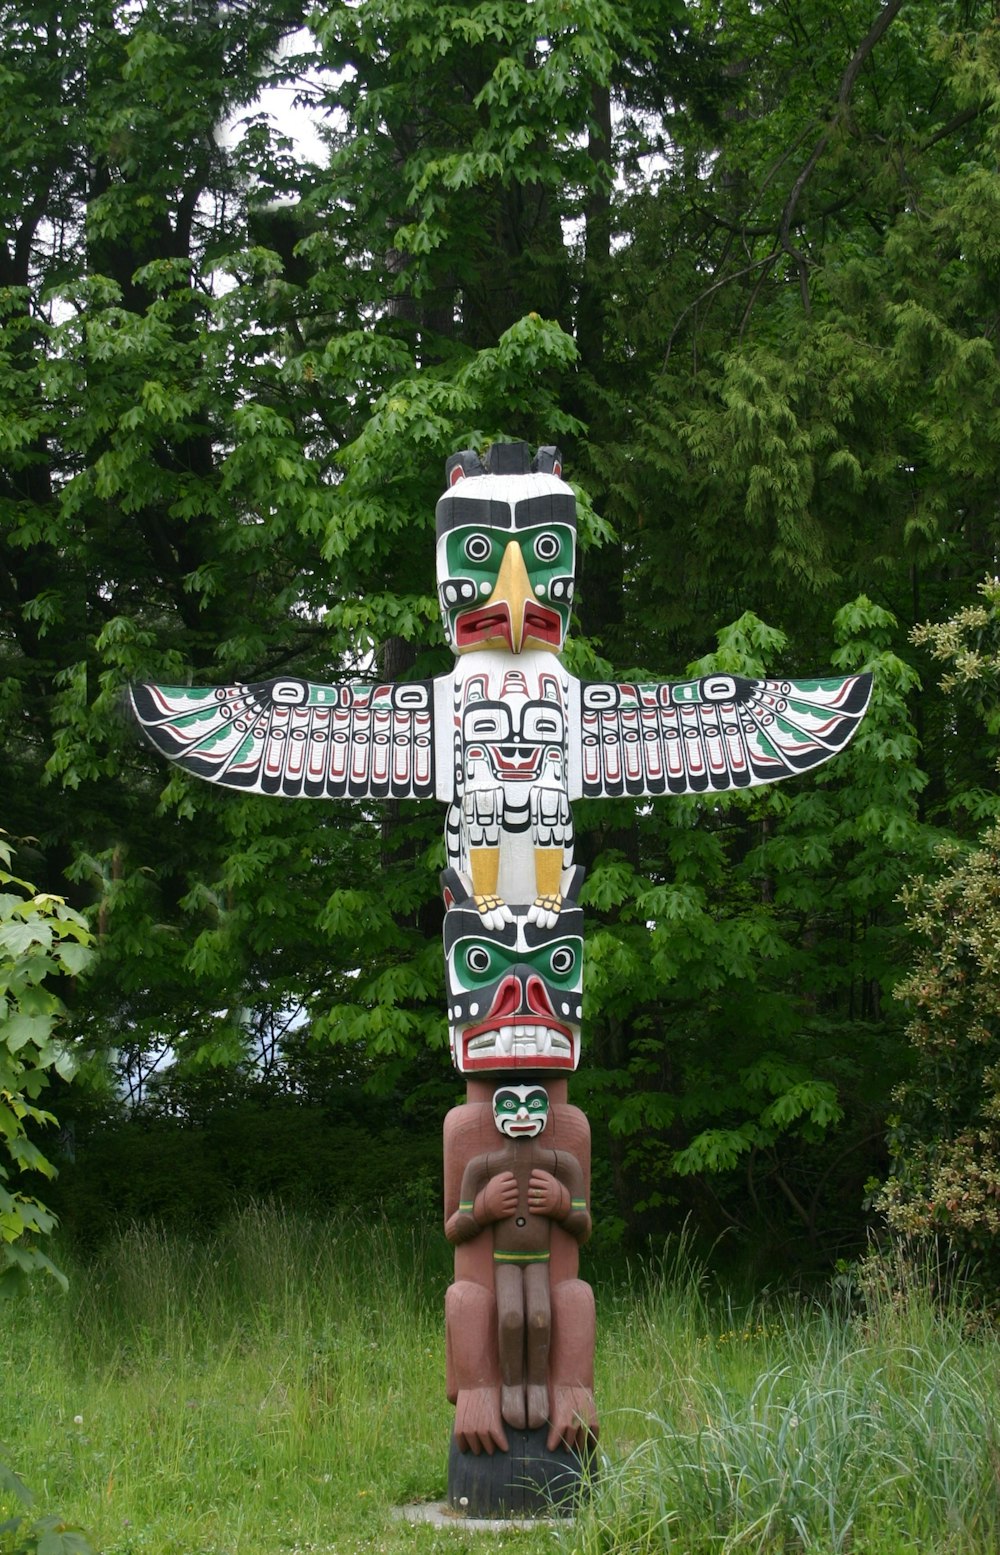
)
(279, 1388)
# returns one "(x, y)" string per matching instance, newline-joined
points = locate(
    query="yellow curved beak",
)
(513, 588)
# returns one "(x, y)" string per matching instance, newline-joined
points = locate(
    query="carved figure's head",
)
(514, 994)
(506, 550)
(520, 1111)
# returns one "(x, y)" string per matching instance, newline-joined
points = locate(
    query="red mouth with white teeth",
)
(524, 764)
(520, 1032)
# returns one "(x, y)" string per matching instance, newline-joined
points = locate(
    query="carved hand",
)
(547, 1196)
(497, 1200)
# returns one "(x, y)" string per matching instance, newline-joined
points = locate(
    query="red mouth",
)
(524, 765)
(493, 624)
(517, 1006)
(471, 1032)
(542, 626)
(484, 626)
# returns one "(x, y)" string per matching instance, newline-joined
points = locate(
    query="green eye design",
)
(538, 1103)
(562, 960)
(547, 547)
(478, 548)
(478, 959)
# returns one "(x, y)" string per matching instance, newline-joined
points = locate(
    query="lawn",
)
(278, 1388)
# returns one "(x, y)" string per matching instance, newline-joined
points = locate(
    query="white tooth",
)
(505, 1039)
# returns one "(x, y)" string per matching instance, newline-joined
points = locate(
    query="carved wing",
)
(297, 739)
(708, 735)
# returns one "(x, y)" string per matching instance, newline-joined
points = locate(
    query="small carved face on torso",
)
(520, 1111)
(506, 550)
(513, 727)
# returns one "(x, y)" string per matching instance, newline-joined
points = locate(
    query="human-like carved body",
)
(520, 1322)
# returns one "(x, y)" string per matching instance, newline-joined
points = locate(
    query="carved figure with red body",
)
(519, 1320)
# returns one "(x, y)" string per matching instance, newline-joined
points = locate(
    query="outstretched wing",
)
(707, 735)
(297, 739)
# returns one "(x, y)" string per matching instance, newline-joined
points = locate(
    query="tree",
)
(801, 390)
(41, 940)
(740, 262)
(945, 1178)
(946, 1170)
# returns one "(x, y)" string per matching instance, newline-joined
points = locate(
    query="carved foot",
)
(574, 1418)
(544, 910)
(512, 1405)
(538, 1404)
(494, 911)
(478, 1426)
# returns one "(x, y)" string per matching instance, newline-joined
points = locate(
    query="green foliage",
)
(41, 940)
(198, 1165)
(21, 1535)
(946, 1175)
(945, 1179)
(281, 1381)
(741, 261)
(744, 949)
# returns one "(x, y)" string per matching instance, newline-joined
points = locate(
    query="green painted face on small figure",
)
(520, 1111)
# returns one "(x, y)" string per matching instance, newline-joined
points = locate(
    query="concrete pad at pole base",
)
(438, 1514)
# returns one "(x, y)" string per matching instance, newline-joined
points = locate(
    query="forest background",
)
(741, 262)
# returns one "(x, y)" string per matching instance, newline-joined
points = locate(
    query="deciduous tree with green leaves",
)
(42, 941)
(740, 261)
(945, 1179)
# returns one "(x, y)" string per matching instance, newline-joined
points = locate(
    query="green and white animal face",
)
(515, 993)
(506, 552)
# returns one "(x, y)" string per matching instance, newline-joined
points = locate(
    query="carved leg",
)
(482, 819)
(510, 1323)
(538, 1325)
(551, 831)
(573, 1416)
(473, 1375)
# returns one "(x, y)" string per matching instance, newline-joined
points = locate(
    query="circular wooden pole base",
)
(528, 1481)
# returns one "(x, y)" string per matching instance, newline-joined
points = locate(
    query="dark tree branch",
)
(784, 243)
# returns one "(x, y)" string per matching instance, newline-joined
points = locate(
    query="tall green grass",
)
(279, 1387)
(866, 1423)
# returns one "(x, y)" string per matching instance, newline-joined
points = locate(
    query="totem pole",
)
(508, 739)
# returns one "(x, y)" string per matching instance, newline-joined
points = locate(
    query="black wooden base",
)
(527, 1481)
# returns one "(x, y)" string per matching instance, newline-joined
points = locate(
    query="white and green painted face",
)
(520, 1111)
(506, 555)
(514, 993)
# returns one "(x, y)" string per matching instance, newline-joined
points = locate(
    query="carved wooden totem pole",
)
(508, 739)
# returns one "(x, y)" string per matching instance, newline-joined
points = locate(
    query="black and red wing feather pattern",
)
(296, 739)
(713, 734)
